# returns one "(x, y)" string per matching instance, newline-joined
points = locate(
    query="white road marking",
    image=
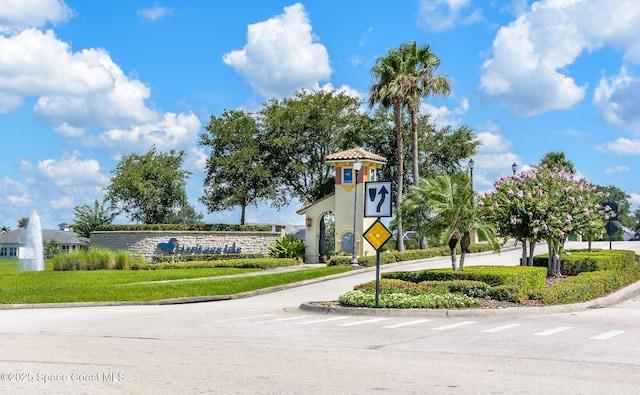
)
(245, 318)
(365, 321)
(323, 320)
(451, 326)
(407, 323)
(553, 331)
(607, 335)
(501, 328)
(284, 319)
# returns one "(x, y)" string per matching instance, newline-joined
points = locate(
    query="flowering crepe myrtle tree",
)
(544, 204)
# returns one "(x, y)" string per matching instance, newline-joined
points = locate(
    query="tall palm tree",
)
(420, 66)
(557, 161)
(390, 89)
(453, 211)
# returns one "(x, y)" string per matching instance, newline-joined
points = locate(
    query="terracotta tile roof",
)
(355, 153)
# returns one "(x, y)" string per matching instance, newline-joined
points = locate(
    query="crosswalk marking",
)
(407, 323)
(607, 335)
(365, 321)
(450, 326)
(284, 319)
(553, 331)
(324, 320)
(245, 318)
(501, 328)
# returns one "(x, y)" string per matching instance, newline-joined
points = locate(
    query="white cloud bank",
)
(530, 55)
(282, 55)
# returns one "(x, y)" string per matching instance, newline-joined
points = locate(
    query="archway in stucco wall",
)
(326, 235)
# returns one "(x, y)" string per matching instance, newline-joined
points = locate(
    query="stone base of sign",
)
(149, 243)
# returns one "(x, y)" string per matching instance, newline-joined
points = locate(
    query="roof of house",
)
(355, 153)
(19, 236)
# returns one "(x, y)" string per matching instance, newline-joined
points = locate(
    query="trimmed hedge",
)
(408, 255)
(185, 227)
(404, 301)
(262, 263)
(581, 261)
(526, 279)
(203, 257)
(588, 285)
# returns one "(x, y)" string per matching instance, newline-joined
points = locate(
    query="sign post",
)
(377, 235)
(377, 204)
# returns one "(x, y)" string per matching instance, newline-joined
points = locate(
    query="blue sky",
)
(84, 82)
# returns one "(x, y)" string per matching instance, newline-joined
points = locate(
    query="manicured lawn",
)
(119, 285)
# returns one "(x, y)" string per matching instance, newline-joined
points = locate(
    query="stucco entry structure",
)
(342, 203)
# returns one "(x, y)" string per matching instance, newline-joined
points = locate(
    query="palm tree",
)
(421, 65)
(453, 212)
(557, 161)
(390, 89)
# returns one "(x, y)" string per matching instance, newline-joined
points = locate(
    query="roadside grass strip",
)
(106, 285)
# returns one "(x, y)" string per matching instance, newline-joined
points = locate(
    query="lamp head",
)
(357, 165)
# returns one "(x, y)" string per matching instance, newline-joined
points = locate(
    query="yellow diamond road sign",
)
(377, 234)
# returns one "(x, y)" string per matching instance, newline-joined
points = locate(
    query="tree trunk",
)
(416, 155)
(397, 115)
(465, 242)
(523, 260)
(532, 247)
(453, 242)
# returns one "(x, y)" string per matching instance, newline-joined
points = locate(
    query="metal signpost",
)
(378, 198)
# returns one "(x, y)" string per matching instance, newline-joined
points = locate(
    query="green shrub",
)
(287, 246)
(402, 301)
(580, 261)
(408, 255)
(203, 257)
(94, 259)
(587, 286)
(505, 293)
(184, 227)
(526, 279)
(399, 286)
(474, 289)
(262, 263)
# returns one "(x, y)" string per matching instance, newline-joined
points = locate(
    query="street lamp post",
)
(471, 164)
(356, 166)
(514, 167)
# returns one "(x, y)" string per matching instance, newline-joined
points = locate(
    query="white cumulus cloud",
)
(527, 70)
(621, 146)
(618, 100)
(21, 14)
(440, 15)
(155, 13)
(281, 55)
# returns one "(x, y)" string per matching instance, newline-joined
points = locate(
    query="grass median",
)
(136, 285)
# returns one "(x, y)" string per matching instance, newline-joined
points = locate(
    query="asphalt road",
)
(266, 344)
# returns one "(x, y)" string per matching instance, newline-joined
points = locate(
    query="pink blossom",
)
(569, 218)
(556, 257)
(513, 220)
(534, 231)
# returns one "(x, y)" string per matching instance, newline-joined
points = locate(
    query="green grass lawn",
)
(120, 285)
